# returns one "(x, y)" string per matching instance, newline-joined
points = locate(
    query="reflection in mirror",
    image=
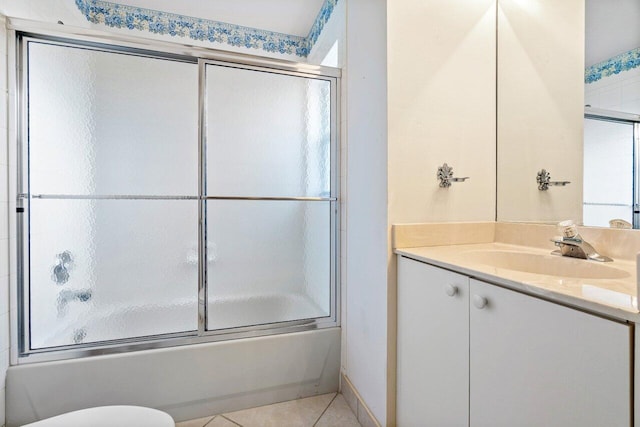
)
(540, 109)
(612, 113)
(569, 102)
(608, 172)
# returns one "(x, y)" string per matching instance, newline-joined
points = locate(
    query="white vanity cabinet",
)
(536, 363)
(433, 346)
(489, 356)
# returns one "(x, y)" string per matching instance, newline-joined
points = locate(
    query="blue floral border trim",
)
(623, 62)
(123, 16)
(318, 25)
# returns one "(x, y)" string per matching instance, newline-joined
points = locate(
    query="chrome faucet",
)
(66, 296)
(573, 245)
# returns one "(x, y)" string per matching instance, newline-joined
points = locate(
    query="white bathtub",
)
(188, 381)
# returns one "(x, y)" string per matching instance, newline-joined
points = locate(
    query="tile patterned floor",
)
(326, 410)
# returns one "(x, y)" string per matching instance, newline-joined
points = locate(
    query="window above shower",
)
(167, 199)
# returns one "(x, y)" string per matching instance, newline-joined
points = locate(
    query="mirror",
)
(555, 58)
(612, 112)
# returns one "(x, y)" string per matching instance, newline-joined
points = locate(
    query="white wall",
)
(441, 109)
(540, 108)
(4, 226)
(366, 203)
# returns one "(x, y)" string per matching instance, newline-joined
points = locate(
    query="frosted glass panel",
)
(102, 124)
(267, 134)
(608, 163)
(267, 262)
(111, 269)
(110, 123)
(600, 215)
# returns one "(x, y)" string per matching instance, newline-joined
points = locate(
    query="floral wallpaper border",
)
(123, 16)
(623, 62)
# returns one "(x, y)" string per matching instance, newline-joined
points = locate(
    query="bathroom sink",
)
(548, 265)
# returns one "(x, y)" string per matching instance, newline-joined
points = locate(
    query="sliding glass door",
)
(610, 172)
(269, 204)
(112, 194)
(171, 197)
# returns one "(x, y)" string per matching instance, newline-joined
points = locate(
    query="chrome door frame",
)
(22, 31)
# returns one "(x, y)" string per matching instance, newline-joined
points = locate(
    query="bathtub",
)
(187, 381)
(178, 316)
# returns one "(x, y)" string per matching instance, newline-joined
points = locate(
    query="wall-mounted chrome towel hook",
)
(544, 181)
(445, 175)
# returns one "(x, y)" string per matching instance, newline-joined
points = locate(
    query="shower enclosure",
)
(611, 172)
(168, 198)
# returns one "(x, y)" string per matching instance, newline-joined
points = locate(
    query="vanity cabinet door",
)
(433, 346)
(535, 363)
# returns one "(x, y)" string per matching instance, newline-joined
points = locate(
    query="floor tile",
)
(221, 421)
(295, 413)
(338, 414)
(199, 422)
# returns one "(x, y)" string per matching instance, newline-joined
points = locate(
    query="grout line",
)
(325, 410)
(230, 420)
(209, 422)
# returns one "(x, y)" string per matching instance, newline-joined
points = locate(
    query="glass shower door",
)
(112, 195)
(166, 199)
(269, 197)
(609, 179)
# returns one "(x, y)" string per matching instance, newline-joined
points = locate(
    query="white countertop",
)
(615, 298)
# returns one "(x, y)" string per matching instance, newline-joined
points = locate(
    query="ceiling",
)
(611, 28)
(293, 17)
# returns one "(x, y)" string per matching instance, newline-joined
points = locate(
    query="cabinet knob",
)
(451, 290)
(480, 302)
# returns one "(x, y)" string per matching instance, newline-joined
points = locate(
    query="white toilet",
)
(109, 416)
